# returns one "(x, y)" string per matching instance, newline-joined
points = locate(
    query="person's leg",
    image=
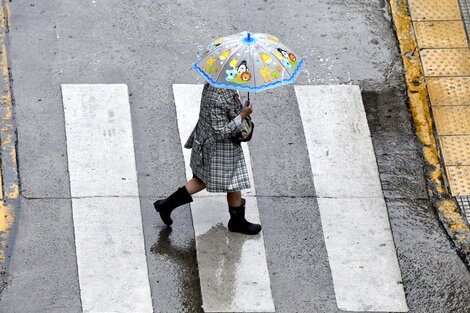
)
(194, 185)
(234, 198)
(237, 222)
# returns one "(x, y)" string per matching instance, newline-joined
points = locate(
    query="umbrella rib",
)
(276, 59)
(228, 58)
(253, 64)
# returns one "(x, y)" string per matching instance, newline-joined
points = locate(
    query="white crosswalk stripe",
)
(112, 266)
(232, 267)
(361, 252)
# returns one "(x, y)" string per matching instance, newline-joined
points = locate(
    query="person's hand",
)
(247, 110)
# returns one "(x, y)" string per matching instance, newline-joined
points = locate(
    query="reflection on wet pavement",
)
(222, 249)
(232, 266)
(183, 256)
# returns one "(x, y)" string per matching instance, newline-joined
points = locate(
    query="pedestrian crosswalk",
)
(233, 268)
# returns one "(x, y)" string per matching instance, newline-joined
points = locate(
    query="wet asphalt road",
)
(150, 46)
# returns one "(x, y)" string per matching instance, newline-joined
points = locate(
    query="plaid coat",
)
(215, 158)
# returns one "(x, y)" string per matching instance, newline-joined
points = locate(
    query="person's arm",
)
(222, 127)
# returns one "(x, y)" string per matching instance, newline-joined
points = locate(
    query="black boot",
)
(238, 223)
(165, 206)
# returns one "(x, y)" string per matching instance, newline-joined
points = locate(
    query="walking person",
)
(217, 159)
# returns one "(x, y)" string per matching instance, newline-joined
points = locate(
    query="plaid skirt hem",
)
(239, 180)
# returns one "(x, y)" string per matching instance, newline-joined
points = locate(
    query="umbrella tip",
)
(248, 39)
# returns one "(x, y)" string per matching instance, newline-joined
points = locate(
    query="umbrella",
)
(249, 62)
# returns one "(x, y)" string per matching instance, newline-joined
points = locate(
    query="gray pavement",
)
(150, 46)
(43, 270)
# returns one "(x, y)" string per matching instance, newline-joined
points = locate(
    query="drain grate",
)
(465, 6)
(464, 204)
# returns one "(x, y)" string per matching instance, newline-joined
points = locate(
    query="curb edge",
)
(445, 206)
(9, 201)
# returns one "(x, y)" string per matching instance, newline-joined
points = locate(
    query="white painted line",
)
(112, 266)
(359, 242)
(99, 134)
(111, 259)
(338, 133)
(232, 267)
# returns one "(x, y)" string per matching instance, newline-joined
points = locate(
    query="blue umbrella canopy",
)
(249, 62)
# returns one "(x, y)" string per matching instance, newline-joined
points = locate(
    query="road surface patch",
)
(233, 268)
(112, 266)
(358, 237)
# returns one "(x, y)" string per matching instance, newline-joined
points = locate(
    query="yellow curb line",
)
(9, 173)
(445, 205)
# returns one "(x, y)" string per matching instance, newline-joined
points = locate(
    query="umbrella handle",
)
(241, 104)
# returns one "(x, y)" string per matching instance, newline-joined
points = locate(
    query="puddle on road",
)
(188, 286)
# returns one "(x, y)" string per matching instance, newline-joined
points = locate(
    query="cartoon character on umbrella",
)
(239, 73)
(290, 59)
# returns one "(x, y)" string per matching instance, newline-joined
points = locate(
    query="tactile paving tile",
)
(431, 10)
(449, 91)
(452, 120)
(441, 34)
(446, 62)
(459, 180)
(456, 149)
